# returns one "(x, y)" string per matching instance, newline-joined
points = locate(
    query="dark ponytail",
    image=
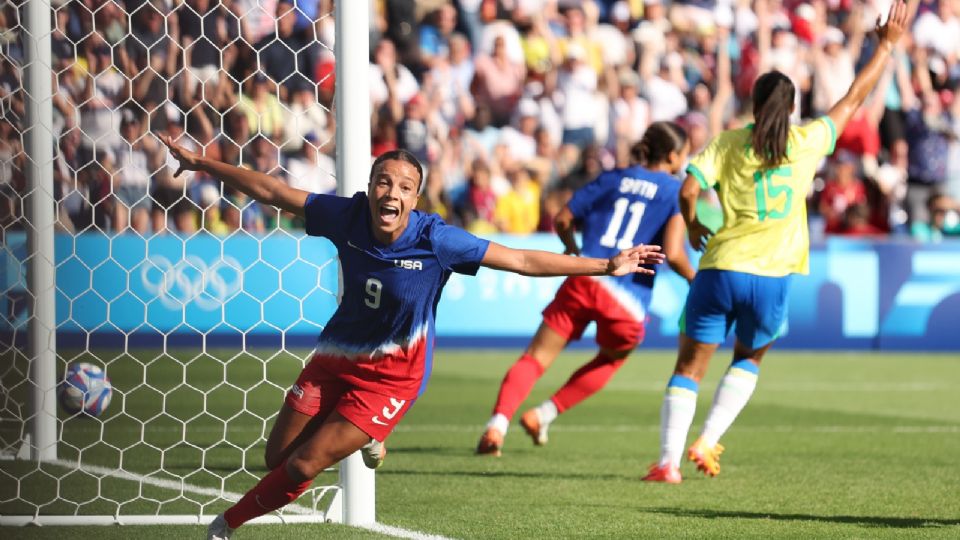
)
(773, 96)
(658, 142)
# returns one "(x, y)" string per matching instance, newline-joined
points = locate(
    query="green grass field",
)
(833, 445)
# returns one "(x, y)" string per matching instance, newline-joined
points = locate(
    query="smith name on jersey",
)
(620, 209)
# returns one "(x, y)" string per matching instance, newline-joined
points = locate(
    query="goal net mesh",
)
(199, 304)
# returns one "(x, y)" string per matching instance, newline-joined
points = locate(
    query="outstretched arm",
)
(261, 187)
(532, 262)
(890, 33)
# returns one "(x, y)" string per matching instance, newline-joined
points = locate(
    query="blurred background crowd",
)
(510, 104)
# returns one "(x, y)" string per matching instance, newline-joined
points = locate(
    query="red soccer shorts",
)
(319, 391)
(582, 300)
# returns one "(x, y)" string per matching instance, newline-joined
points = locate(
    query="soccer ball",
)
(85, 388)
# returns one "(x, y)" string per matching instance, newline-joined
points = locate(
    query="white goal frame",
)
(353, 502)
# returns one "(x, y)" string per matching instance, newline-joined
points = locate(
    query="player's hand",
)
(633, 260)
(897, 22)
(189, 161)
(698, 234)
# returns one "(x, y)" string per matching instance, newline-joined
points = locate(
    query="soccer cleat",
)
(706, 458)
(373, 454)
(668, 474)
(536, 430)
(491, 443)
(218, 529)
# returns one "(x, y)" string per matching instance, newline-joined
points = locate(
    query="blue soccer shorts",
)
(720, 298)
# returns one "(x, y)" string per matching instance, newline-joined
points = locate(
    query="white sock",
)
(676, 415)
(548, 412)
(732, 396)
(499, 422)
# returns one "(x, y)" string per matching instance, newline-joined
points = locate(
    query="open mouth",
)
(389, 213)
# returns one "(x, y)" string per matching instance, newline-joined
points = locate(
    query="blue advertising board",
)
(281, 289)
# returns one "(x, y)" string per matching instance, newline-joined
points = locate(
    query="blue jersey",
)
(385, 321)
(621, 209)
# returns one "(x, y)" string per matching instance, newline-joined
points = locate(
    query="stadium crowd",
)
(510, 104)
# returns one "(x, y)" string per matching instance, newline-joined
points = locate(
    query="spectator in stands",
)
(262, 107)
(520, 140)
(303, 115)
(207, 36)
(105, 91)
(288, 58)
(481, 199)
(843, 190)
(448, 83)
(312, 170)
(518, 210)
(391, 84)
(576, 84)
(497, 82)
(413, 133)
(171, 206)
(137, 156)
(435, 34)
(856, 222)
(929, 130)
(152, 44)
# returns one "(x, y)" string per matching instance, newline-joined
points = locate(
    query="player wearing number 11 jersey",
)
(622, 207)
(762, 174)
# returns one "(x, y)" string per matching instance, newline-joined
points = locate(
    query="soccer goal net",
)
(199, 305)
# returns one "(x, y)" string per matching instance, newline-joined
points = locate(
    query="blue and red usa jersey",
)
(383, 330)
(621, 209)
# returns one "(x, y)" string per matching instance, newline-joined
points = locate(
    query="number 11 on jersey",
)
(620, 208)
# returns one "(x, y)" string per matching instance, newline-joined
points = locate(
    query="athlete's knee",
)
(272, 458)
(303, 468)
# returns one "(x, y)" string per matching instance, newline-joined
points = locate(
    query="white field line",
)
(184, 487)
(800, 386)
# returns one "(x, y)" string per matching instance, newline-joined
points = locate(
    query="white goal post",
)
(191, 408)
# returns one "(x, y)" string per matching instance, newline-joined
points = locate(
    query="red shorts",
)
(320, 391)
(582, 300)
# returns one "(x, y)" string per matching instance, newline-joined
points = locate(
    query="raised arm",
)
(532, 262)
(261, 187)
(889, 33)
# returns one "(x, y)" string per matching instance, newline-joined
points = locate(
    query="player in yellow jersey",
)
(762, 174)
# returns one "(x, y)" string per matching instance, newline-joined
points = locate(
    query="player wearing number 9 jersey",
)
(373, 356)
(762, 174)
(620, 208)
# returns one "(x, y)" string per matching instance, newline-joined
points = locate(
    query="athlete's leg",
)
(335, 439)
(734, 391)
(517, 383)
(584, 382)
(308, 403)
(521, 377)
(760, 315)
(290, 429)
(680, 401)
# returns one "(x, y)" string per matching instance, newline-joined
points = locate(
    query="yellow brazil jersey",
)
(764, 228)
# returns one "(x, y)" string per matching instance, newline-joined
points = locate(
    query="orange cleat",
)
(668, 474)
(491, 443)
(531, 424)
(706, 458)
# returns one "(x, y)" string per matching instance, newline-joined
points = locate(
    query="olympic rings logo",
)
(191, 281)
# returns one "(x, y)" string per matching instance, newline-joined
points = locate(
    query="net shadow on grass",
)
(866, 521)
